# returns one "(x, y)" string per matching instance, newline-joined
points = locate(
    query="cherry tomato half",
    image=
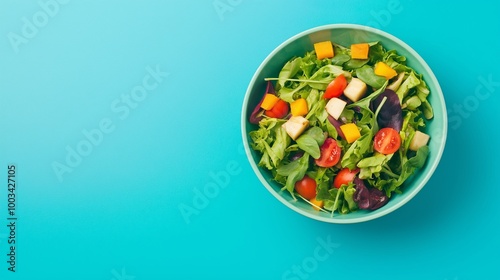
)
(330, 153)
(387, 141)
(306, 187)
(279, 110)
(344, 177)
(336, 87)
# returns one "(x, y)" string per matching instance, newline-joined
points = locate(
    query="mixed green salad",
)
(343, 127)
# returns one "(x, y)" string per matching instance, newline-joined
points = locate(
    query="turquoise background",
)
(116, 213)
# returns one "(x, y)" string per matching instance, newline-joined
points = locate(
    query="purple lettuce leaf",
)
(336, 124)
(377, 199)
(362, 194)
(368, 198)
(391, 114)
(255, 117)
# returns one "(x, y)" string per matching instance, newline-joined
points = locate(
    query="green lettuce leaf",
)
(340, 200)
(271, 140)
(370, 166)
(414, 163)
(410, 82)
(293, 171)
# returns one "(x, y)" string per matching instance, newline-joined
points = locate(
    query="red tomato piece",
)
(306, 187)
(344, 177)
(336, 87)
(330, 153)
(279, 110)
(387, 141)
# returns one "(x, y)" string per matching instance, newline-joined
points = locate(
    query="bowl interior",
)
(345, 34)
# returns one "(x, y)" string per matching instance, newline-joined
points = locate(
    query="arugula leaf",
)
(357, 151)
(287, 94)
(311, 140)
(340, 59)
(325, 75)
(317, 134)
(355, 63)
(367, 75)
(289, 70)
(309, 145)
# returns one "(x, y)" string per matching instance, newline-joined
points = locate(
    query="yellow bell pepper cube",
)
(299, 107)
(324, 49)
(384, 70)
(351, 132)
(360, 51)
(317, 204)
(269, 101)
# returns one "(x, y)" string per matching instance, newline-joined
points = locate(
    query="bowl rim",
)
(382, 211)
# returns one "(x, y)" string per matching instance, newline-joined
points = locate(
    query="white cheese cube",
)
(355, 89)
(420, 139)
(335, 106)
(295, 126)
